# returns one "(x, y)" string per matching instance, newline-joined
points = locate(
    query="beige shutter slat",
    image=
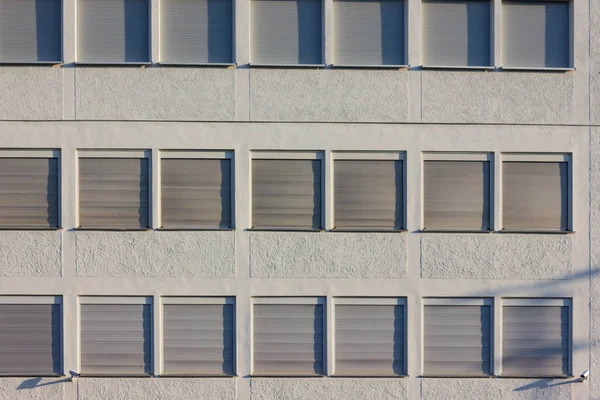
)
(288, 339)
(116, 339)
(29, 192)
(535, 341)
(30, 339)
(196, 193)
(113, 193)
(198, 339)
(457, 340)
(369, 340)
(457, 195)
(286, 193)
(535, 195)
(368, 194)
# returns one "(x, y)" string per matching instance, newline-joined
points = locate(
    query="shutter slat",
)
(535, 34)
(286, 193)
(535, 195)
(368, 32)
(116, 339)
(196, 193)
(535, 341)
(113, 31)
(457, 340)
(456, 33)
(286, 31)
(114, 193)
(279, 350)
(198, 339)
(457, 195)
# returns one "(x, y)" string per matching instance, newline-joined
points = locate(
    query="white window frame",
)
(317, 155)
(159, 318)
(456, 156)
(320, 300)
(361, 301)
(194, 155)
(533, 157)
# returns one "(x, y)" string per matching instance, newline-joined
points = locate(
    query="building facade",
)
(224, 210)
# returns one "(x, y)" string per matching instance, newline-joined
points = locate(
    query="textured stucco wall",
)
(156, 389)
(595, 62)
(327, 255)
(328, 95)
(496, 389)
(328, 388)
(31, 389)
(31, 93)
(30, 254)
(595, 262)
(206, 94)
(496, 256)
(156, 254)
(497, 97)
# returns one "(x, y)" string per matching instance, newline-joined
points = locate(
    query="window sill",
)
(100, 375)
(370, 376)
(193, 64)
(541, 69)
(535, 231)
(283, 229)
(112, 229)
(456, 376)
(286, 376)
(43, 375)
(112, 64)
(485, 231)
(195, 376)
(368, 230)
(33, 63)
(260, 65)
(457, 67)
(29, 228)
(195, 229)
(535, 377)
(375, 66)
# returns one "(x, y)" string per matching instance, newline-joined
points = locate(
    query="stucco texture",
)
(31, 93)
(31, 389)
(156, 389)
(327, 255)
(595, 62)
(328, 95)
(495, 389)
(182, 94)
(327, 388)
(496, 256)
(156, 254)
(595, 262)
(497, 97)
(30, 254)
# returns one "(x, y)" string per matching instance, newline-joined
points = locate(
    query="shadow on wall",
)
(33, 383)
(545, 383)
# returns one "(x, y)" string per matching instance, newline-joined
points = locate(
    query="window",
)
(286, 191)
(368, 32)
(196, 190)
(116, 336)
(535, 34)
(456, 33)
(30, 31)
(535, 337)
(198, 336)
(369, 337)
(30, 336)
(113, 31)
(369, 191)
(114, 190)
(535, 192)
(288, 336)
(196, 31)
(457, 338)
(456, 191)
(29, 189)
(286, 32)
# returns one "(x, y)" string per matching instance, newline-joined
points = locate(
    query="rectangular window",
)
(286, 192)
(196, 192)
(457, 337)
(456, 192)
(116, 336)
(30, 31)
(30, 336)
(368, 32)
(535, 337)
(535, 193)
(456, 33)
(286, 32)
(113, 31)
(196, 31)
(368, 193)
(198, 336)
(114, 190)
(288, 337)
(369, 337)
(535, 34)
